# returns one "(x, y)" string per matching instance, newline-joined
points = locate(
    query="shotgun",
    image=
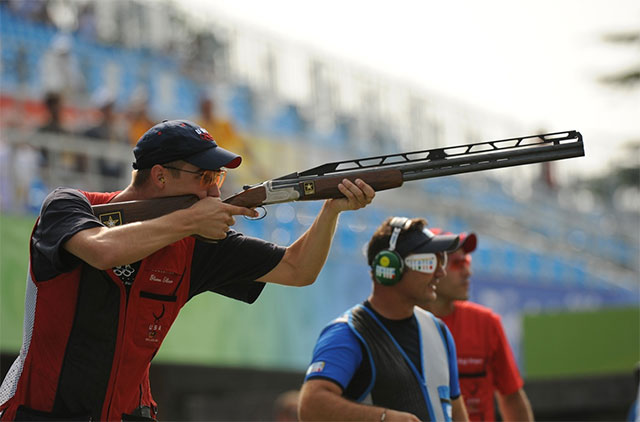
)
(380, 172)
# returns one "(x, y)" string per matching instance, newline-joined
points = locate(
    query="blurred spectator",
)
(138, 116)
(60, 71)
(53, 102)
(87, 26)
(285, 408)
(220, 129)
(225, 135)
(107, 130)
(202, 55)
(31, 10)
(546, 177)
(21, 66)
(26, 175)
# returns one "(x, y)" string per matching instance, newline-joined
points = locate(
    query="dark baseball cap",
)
(468, 241)
(425, 241)
(174, 140)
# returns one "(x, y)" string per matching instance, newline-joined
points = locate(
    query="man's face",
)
(420, 287)
(189, 180)
(454, 285)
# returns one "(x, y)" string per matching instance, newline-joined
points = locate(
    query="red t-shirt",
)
(485, 360)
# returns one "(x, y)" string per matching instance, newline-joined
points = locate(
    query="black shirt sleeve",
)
(231, 266)
(64, 213)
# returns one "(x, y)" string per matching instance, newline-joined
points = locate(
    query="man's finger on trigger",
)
(237, 210)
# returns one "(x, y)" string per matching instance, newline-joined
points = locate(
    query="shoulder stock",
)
(118, 213)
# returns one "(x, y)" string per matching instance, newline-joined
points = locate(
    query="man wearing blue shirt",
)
(386, 359)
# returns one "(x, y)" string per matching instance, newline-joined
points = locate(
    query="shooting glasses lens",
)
(212, 177)
(208, 178)
(426, 262)
(460, 262)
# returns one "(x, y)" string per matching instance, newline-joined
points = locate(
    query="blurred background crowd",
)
(558, 258)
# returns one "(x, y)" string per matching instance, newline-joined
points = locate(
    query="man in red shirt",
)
(485, 361)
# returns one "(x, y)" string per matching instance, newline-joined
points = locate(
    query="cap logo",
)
(204, 135)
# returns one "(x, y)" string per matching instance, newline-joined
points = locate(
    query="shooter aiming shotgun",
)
(381, 173)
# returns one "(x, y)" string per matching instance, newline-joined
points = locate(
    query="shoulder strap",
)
(445, 337)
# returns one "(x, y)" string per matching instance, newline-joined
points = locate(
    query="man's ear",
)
(158, 176)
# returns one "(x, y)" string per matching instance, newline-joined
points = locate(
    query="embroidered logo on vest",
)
(111, 219)
(155, 327)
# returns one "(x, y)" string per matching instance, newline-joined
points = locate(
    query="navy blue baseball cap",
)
(174, 140)
(425, 241)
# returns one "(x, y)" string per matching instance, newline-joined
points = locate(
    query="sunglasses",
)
(208, 178)
(460, 262)
(426, 262)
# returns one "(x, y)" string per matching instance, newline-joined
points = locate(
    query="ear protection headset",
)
(388, 265)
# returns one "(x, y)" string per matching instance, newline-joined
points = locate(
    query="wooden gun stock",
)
(326, 187)
(249, 198)
(117, 213)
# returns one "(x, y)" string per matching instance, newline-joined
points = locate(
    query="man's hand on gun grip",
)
(213, 217)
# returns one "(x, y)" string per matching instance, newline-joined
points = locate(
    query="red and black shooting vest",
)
(88, 343)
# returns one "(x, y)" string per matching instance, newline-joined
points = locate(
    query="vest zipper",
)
(117, 355)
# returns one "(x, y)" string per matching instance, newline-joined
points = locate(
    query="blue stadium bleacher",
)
(240, 106)
(286, 122)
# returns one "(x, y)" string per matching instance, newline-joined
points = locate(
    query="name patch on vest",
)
(163, 279)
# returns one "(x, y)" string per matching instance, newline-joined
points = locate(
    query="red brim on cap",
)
(214, 158)
(468, 242)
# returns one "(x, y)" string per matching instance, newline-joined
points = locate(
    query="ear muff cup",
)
(388, 267)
